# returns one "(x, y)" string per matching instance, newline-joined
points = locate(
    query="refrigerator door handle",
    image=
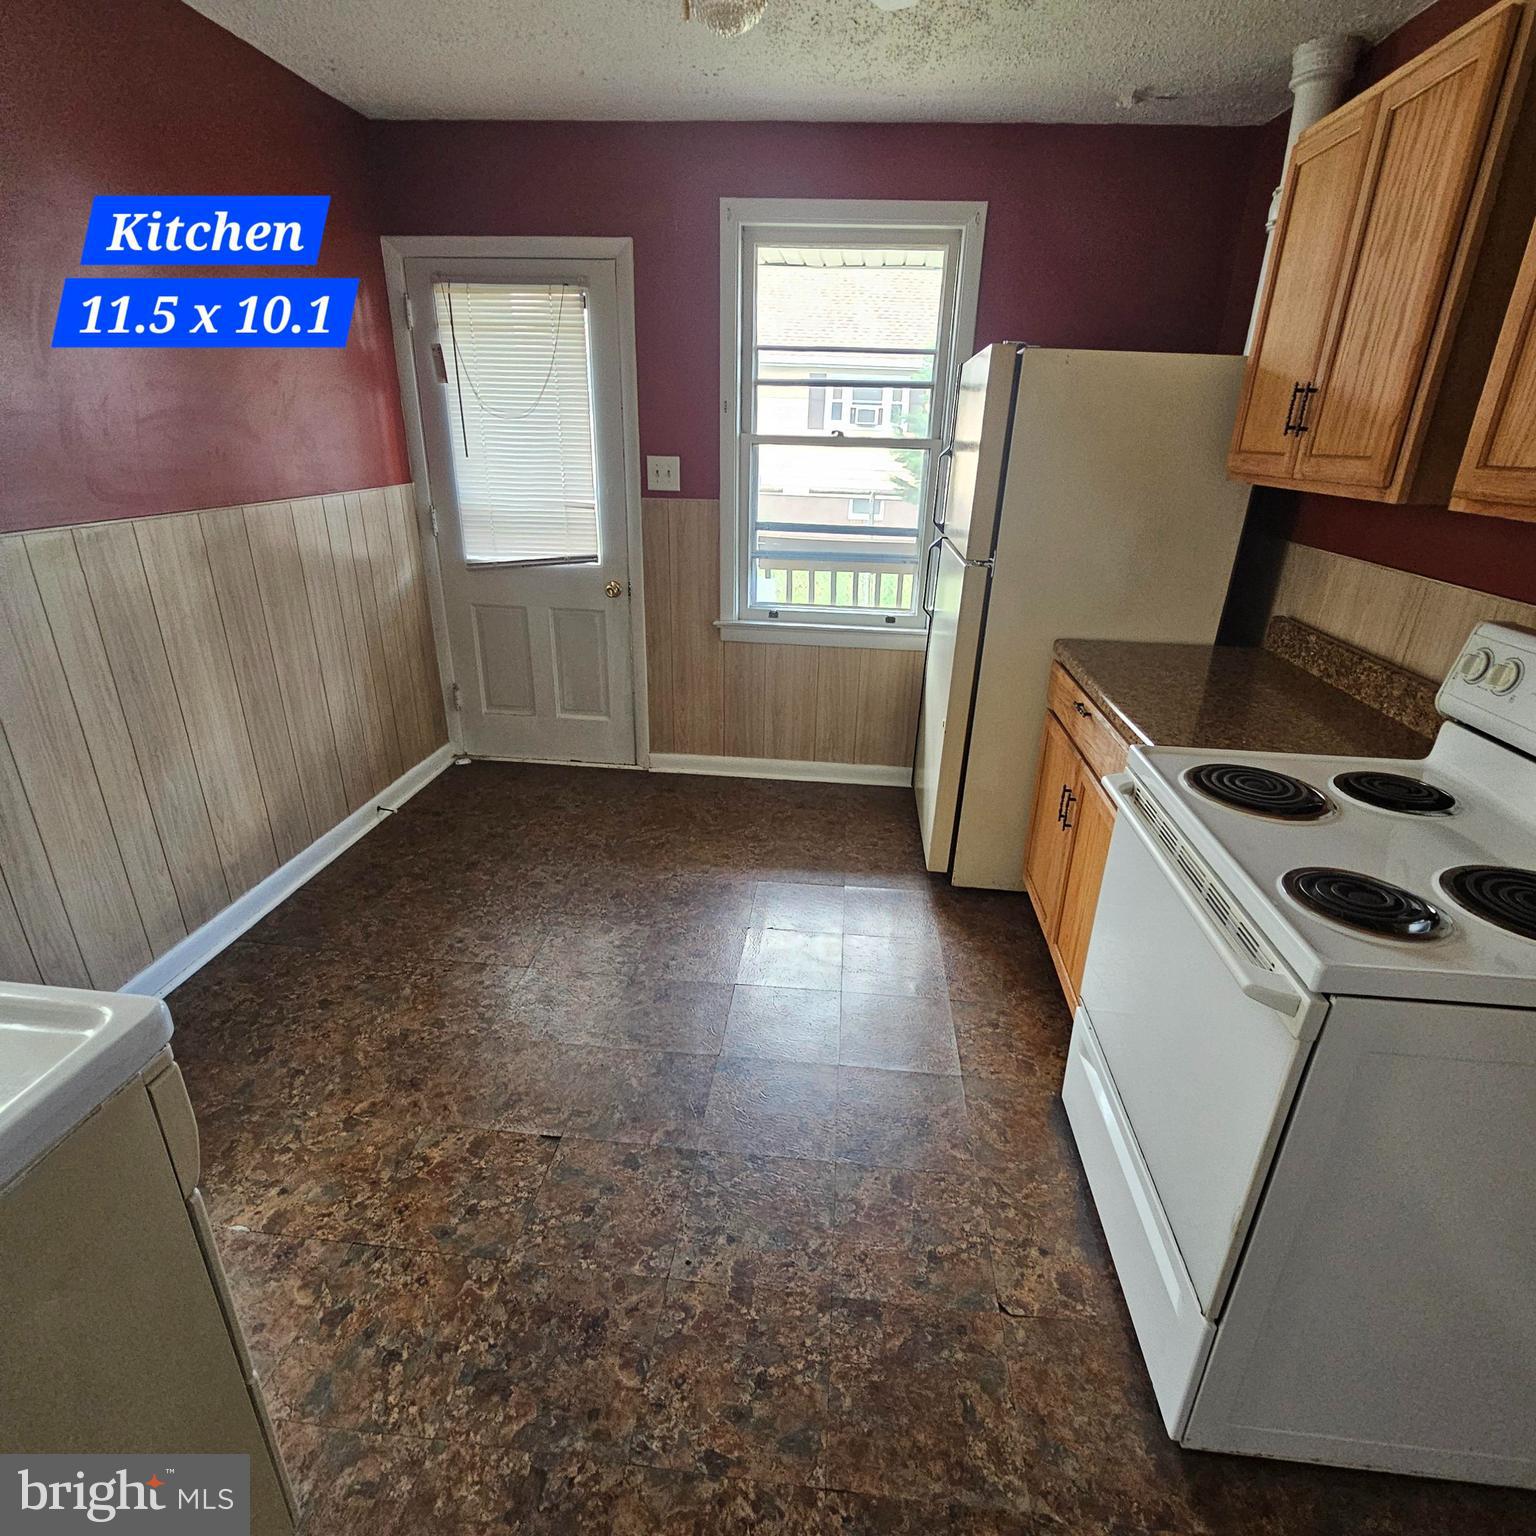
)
(941, 500)
(928, 574)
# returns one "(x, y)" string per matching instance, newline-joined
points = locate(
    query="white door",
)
(518, 370)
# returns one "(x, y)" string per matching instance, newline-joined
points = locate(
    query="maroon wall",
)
(144, 96)
(1489, 553)
(1096, 236)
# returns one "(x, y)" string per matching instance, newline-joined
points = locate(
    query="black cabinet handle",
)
(1066, 813)
(1082, 709)
(1061, 804)
(1306, 392)
(1290, 410)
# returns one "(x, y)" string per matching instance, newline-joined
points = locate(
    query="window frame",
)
(746, 222)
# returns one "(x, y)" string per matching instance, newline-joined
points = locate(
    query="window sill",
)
(864, 637)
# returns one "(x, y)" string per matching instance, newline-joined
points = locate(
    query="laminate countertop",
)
(1228, 698)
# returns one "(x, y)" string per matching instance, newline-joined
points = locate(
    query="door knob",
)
(613, 588)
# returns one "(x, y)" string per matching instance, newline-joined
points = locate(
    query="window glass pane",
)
(814, 410)
(519, 393)
(835, 526)
(847, 296)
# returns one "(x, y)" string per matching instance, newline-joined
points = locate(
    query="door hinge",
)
(408, 311)
(432, 521)
(457, 695)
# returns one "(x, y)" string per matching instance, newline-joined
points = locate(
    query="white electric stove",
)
(1303, 1086)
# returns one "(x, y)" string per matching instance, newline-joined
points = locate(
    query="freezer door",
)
(978, 450)
(955, 594)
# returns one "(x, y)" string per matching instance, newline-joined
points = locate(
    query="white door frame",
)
(620, 250)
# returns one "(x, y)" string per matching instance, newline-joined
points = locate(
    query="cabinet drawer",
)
(1099, 742)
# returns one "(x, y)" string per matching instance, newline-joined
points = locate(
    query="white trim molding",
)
(781, 768)
(221, 930)
(619, 249)
(864, 637)
(961, 227)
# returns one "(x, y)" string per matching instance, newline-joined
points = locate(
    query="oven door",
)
(1187, 1052)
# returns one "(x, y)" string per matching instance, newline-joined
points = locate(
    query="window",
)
(843, 326)
(519, 378)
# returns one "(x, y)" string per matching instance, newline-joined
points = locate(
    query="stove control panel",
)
(1492, 685)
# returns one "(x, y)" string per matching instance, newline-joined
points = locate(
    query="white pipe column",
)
(1320, 74)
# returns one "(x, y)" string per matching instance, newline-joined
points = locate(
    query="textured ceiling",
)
(942, 60)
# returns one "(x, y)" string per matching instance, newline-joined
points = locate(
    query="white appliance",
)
(1303, 1086)
(1087, 495)
(118, 1333)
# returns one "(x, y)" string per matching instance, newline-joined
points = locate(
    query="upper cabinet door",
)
(1427, 151)
(1498, 470)
(1322, 189)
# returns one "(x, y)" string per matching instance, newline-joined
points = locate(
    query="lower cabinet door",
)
(1093, 819)
(1050, 836)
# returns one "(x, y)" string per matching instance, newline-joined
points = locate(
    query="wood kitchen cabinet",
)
(1070, 824)
(1498, 469)
(1392, 252)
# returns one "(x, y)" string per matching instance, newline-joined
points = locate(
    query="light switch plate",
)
(663, 472)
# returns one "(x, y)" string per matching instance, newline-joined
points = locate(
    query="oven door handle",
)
(1262, 986)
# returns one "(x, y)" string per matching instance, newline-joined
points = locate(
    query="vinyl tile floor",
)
(598, 1151)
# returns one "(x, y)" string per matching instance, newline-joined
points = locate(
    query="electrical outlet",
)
(663, 472)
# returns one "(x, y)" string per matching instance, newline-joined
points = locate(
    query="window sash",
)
(939, 387)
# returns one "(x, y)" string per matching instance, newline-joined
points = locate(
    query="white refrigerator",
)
(1088, 497)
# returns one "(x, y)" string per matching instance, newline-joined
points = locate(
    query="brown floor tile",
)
(803, 908)
(903, 967)
(900, 1034)
(888, 912)
(608, 1207)
(1017, 1123)
(736, 1383)
(780, 957)
(776, 1108)
(655, 1097)
(904, 1235)
(591, 1498)
(902, 1120)
(762, 1221)
(589, 947)
(919, 1406)
(387, 1485)
(783, 1024)
(363, 1324)
(691, 954)
(622, 1014)
(1023, 1039)
(375, 1181)
(545, 1360)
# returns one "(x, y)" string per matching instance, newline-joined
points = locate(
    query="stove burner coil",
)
(1395, 792)
(1259, 789)
(1502, 896)
(1364, 902)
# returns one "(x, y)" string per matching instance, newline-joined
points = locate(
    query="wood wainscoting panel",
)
(55, 955)
(1414, 621)
(714, 698)
(65, 795)
(173, 686)
(280, 581)
(250, 649)
(187, 608)
(130, 633)
(98, 705)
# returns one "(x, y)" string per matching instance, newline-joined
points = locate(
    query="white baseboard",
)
(780, 768)
(202, 944)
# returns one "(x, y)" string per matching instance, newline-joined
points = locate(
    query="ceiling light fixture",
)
(730, 18)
